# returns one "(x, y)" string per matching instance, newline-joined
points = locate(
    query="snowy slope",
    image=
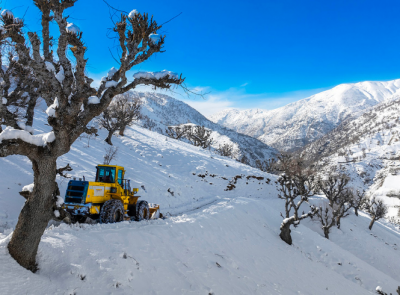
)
(214, 241)
(368, 148)
(161, 111)
(299, 123)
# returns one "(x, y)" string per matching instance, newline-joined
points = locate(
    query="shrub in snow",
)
(380, 291)
(376, 209)
(339, 201)
(196, 135)
(69, 114)
(122, 112)
(295, 186)
(225, 150)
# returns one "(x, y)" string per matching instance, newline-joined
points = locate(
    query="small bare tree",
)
(122, 111)
(340, 201)
(177, 132)
(200, 136)
(225, 150)
(111, 154)
(358, 200)
(376, 209)
(295, 186)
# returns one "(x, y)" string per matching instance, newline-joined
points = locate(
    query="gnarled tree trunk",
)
(122, 130)
(285, 233)
(35, 214)
(372, 222)
(109, 136)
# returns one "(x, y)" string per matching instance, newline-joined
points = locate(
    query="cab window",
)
(105, 174)
(120, 177)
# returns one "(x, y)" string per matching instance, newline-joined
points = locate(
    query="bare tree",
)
(121, 112)
(111, 154)
(380, 292)
(376, 209)
(38, 68)
(200, 136)
(177, 132)
(225, 150)
(358, 200)
(339, 202)
(295, 186)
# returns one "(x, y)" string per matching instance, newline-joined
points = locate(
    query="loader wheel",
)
(142, 211)
(112, 211)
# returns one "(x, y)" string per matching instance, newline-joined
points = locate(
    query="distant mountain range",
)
(160, 111)
(297, 124)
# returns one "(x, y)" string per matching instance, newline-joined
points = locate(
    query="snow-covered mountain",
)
(368, 149)
(214, 240)
(297, 124)
(161, 111)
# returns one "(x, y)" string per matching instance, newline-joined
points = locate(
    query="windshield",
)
(105, 174)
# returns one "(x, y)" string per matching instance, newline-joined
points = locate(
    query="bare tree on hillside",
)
(295, 185)
(339, 201)
(121, 112)
(376, 209)
(200, 136)
(35, 67)
(177, 132)
(225, 150)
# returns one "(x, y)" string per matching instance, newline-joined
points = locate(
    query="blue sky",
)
(251, 54)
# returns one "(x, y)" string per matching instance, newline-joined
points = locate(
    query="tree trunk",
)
(338, 222)
(356, 211)
(122, 130)
(371, 223)
(108, 139)
(285, 233)
(326, 232)
(35, 214)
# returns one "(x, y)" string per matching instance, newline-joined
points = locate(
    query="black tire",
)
(142, 211)
(112, 211)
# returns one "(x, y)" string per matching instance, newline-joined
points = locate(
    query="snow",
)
(28, 188)
(60, 75)
(154, 38)
(15, 58)
(111, 84)
(39, 139)
(51, 110)
(93, 100)
(50, 67)
(56, 213)
(23, 126)
(213, 241)
(72, 28)
(7, 13)
(156, 75)
(60, 201)
(133, 13)
(111, 72)
(4, 100)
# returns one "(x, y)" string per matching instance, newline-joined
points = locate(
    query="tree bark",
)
(285, 233)
(371, 223)
(35, 214)
(356, 211)
(326, 232)
(122, 130)
(108, 139)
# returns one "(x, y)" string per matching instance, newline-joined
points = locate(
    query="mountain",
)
(214, 240)
(291, 127)
(160, 111)
(368, 149)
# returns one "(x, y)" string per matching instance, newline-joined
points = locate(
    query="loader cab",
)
(109, 174)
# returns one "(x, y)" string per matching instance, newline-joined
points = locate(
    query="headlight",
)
(113, 190)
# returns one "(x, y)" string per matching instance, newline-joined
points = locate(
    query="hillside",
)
(368, 148)
(161, 111)
(213, 241)
(291, 127)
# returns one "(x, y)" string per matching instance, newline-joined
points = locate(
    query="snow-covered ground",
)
(368, 149)
(213, 241)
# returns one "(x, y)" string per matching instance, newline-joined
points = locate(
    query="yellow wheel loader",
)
(109, 198)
